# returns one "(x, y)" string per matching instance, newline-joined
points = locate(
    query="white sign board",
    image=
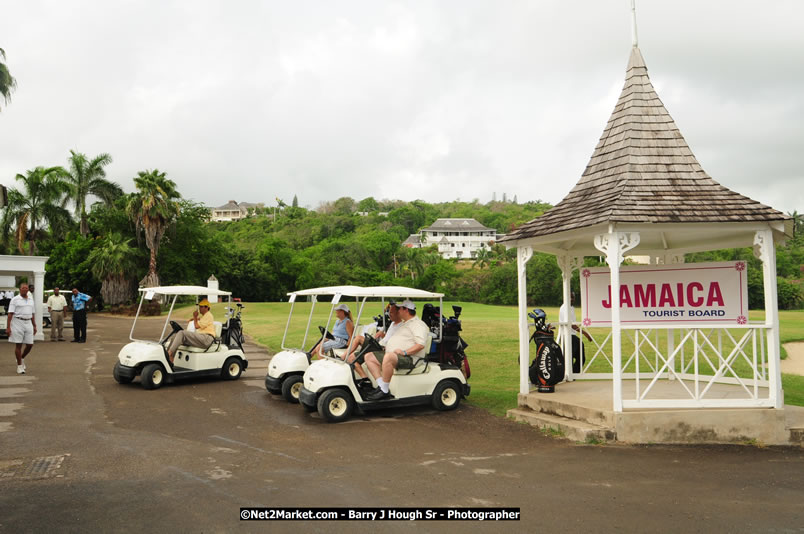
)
(683, 294)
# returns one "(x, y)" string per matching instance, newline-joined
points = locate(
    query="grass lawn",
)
(492, 335)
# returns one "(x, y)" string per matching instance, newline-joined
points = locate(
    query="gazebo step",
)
(563, 426)
(560, 405)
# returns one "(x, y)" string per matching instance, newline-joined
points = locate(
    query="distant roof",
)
(643, 171)
(231, 205)
(413, 239)
(456, 225)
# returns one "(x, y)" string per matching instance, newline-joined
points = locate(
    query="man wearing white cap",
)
(407, 343)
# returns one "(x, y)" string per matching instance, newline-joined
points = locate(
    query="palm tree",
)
(38, 204)
(88, 177)
(153, 208)
(111, 261)
(7, 81)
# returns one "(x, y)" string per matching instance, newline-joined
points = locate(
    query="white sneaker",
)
(20, 369)
(24, 367)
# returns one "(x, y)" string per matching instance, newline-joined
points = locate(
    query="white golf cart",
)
(331, 387)
(287, 367)
(224, 357)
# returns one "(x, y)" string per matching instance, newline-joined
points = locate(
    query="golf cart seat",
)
(420, 362)
(216, 342)
(370, 330)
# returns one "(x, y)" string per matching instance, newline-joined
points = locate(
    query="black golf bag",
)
(547, 368)
(450, 351)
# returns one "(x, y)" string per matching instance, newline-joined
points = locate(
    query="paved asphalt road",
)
(80, 453)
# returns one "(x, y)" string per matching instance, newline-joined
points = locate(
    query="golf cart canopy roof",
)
(329, 290)
(184, 290)
(375, 291)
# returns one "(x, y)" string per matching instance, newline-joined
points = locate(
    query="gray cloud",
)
(417, 99)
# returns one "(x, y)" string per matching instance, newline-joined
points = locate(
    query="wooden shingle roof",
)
(643, 171)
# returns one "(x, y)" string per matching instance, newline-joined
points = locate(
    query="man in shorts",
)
(408, 341)
(21, 325)
(382, 337)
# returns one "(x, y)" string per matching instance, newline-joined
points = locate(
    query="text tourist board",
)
(682, 293)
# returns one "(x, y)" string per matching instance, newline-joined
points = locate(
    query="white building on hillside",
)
(232, 211)
(456, 238)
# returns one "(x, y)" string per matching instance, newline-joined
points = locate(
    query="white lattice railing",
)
(684, 367)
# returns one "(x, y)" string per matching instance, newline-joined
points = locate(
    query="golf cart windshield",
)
(361, 296)
(172, 293)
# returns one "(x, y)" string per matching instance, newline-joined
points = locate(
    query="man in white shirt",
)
(382, 337)
(55, 305)
(21, 326)
(408, 342)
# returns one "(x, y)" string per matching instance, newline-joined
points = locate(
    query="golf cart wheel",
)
(152, 376)
(232, 368)
(118, 377)
(291, 388)
(335, 405)
(447, 395)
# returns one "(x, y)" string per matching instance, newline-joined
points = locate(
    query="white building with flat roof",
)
(456, 238)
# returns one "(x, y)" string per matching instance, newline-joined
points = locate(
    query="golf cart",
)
(438, 376)
(224, 357)
(287, 367)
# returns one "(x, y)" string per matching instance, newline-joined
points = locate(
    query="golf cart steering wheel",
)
(325, 333)
(370, 344)
(176, 326)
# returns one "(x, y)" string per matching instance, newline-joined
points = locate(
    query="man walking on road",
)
(80, 301)
(21, 325)
(55, 305)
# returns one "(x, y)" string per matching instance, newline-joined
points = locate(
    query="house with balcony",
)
(232, 211)
(455, 238)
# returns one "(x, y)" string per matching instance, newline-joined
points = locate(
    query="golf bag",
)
(450, 351)
(578, 354)
(547, 368)
(233, 334)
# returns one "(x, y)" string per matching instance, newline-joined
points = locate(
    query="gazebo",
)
(643, 193)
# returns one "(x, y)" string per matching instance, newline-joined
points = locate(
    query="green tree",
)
(88, 177)
(368, 204)
(7, 81)
(111, 262)
(153, 209)
(37, 205)
(295, 202)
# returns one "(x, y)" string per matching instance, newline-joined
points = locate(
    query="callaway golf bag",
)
(547, 368)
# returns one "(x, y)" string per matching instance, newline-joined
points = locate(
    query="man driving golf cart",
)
(383, 336)
(203, 336)
(408, 342)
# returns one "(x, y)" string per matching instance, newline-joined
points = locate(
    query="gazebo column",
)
(39, 298)
(765, 250)
(523, 255)
(567, 264)
(614, 245)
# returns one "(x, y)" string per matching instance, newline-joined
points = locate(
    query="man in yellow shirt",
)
(204, 333)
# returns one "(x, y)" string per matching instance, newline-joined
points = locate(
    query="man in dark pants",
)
(80, 301)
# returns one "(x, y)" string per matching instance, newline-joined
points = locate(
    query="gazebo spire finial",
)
(634, 40)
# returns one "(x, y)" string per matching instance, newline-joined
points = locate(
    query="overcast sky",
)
(431, 99)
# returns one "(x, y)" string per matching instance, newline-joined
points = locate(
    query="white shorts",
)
(21, 331)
